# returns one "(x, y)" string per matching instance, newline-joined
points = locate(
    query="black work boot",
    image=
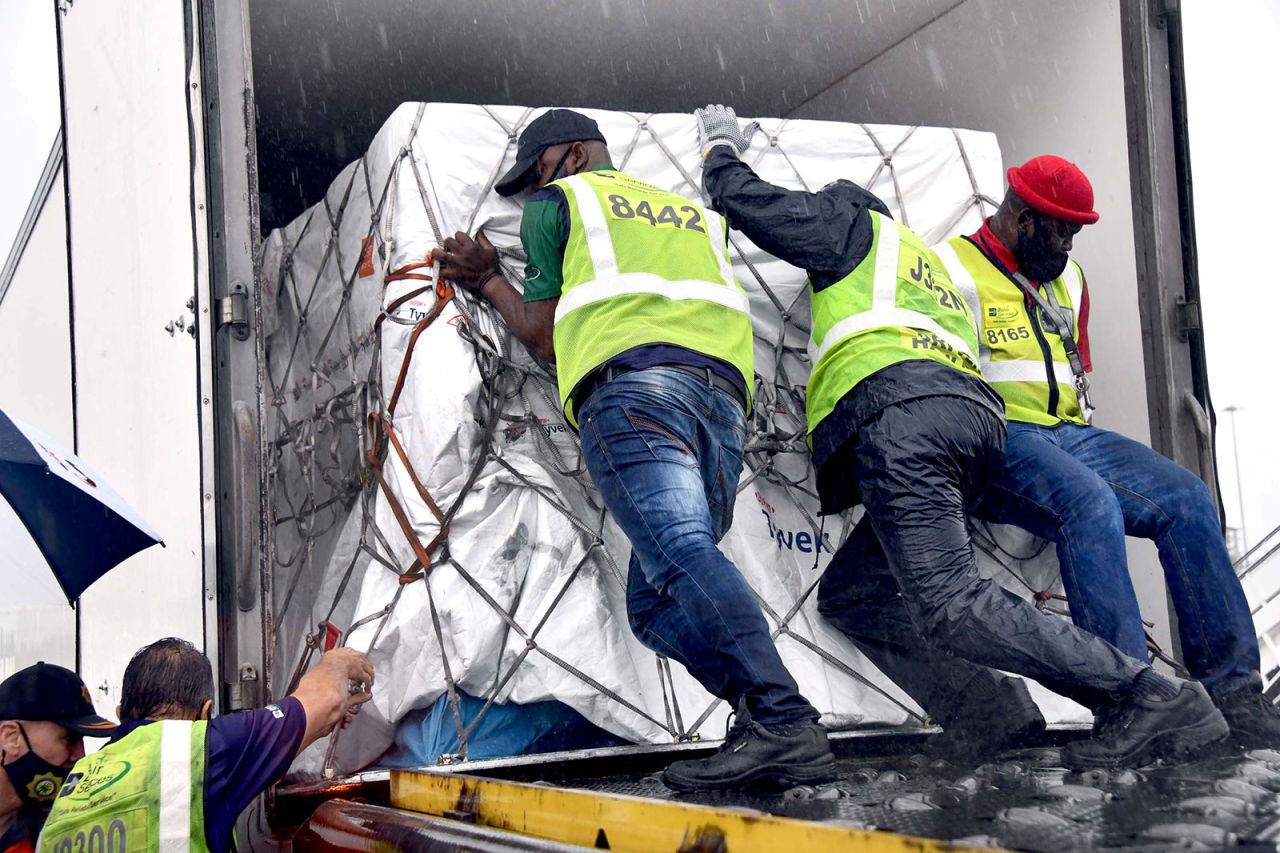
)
(752, 755)
(988, 722)
(1254, 720)
(1141, 728)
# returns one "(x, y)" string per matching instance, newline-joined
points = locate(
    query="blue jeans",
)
(664, 448)
(1084, 489)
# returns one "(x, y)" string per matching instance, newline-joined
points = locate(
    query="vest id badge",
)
(1001, 316)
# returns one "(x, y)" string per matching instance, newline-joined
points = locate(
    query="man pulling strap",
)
(173, 779)
(630, 291)
(900, 416)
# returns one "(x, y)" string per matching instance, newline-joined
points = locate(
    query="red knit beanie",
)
(1054, 187)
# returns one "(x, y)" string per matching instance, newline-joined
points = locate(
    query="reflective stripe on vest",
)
(963, 282)
(594, 225)
(897, 305)
(883, 319)
(638, 282)
(884, 312)
(605, 259)
(666, 280)
(1075, 290)
(1022, 380)
(175, 786)
(1025, 370)
(610, 282)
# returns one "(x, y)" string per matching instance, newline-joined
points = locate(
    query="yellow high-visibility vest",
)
(897, 305)
(644, 266)
(1021, 355)
(145, 793)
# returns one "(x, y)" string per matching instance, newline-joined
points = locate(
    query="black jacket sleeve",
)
(827, 233)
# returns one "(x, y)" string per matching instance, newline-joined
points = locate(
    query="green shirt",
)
(544, 231)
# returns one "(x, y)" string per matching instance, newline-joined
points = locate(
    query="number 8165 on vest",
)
(667, 216)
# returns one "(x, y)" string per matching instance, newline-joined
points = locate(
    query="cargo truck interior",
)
(1087, 80)
(1046, 77)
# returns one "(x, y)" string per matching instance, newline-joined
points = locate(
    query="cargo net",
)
(430, 506)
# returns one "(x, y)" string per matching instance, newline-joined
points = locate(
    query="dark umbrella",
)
(61, 526)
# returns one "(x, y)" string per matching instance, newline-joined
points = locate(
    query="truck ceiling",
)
(326, 75)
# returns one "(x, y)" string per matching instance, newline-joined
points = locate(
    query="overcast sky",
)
(1233, 69)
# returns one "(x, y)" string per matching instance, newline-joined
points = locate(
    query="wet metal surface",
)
(1028, 801)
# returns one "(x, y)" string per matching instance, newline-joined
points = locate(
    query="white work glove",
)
(718, 125)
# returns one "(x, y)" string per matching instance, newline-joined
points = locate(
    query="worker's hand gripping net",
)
(718, 125)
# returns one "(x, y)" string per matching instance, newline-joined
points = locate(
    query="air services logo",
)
(98, 778)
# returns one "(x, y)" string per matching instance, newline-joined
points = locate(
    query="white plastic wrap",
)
(528, 606)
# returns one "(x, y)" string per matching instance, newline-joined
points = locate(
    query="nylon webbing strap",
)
(381, 427)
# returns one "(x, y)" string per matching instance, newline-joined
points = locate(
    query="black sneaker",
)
(757, 756)
(1137, 730)
(1007, 719)
(1254, 720)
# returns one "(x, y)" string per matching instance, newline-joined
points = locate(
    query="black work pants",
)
(916, 605)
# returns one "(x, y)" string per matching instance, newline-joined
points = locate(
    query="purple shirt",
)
(245, 753)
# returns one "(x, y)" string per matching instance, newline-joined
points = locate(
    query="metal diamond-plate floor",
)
(1027, 801)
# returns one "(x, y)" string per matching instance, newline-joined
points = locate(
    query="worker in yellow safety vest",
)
(900, 417)
(628, 288)
(173, 779)
(1083, 487)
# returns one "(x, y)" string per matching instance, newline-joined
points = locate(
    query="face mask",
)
(1036, 256)
(35, 780)
(555, 173)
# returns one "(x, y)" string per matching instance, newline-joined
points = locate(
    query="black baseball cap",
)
(551, 128)
(46, 691)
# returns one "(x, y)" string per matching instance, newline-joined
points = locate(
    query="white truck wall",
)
(1046, 76)
(35, 334)
(136, 261)
(35, 386)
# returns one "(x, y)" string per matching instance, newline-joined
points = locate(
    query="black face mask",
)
(555, 173)
(1036, 256)
(35, 780)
